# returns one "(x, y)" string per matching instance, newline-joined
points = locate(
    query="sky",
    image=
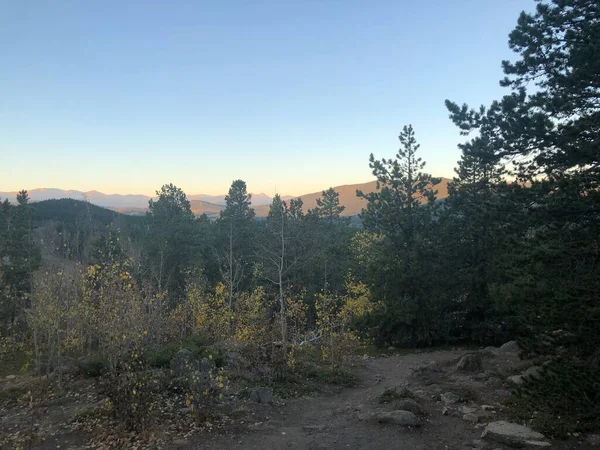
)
(289, 95)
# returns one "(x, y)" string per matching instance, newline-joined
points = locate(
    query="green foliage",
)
(161, 358)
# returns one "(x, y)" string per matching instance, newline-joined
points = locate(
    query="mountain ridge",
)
(136, 204)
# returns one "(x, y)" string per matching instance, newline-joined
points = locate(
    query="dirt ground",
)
(329, 419)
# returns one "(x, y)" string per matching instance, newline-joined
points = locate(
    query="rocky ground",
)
(450, 399)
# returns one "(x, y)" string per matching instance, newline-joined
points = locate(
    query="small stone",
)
(516, 380)
(402, 418)
(445, 411)
(467, 409)
(10, 377)
(409, 405)
(487, 407)
(449, 398)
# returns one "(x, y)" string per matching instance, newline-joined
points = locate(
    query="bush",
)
(564, 400)
(162, 357)
(93, 366)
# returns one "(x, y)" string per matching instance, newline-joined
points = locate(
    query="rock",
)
(10, 377)
(471, 417)
(487, 407)
(469, 363)
(481, 376)
(445, 411)
(183, 362)
(399, 417)
(516, 379)
(478, 443)
(408, 404)
(533, 373)
(261, 395)
(513, 434)
(509, 347)
(449, 398)
(501, 394)
(391, 348)
(494, 382)
(467, 409)
(593, 440)
(489, 351)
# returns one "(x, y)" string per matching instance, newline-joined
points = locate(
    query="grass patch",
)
(396, 393)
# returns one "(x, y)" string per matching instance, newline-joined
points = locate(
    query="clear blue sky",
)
(293, 95)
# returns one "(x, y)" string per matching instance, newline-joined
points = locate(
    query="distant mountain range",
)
(210, 205)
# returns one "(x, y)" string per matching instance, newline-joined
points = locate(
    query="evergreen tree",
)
(328, 206)
(401, 212)
(172, 241)
(548, 129)
(235, 238)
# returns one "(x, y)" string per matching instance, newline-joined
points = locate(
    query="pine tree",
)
(401, 212)
(235, 228)
(328, 206)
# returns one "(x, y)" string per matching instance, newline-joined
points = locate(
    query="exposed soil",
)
(330, 419)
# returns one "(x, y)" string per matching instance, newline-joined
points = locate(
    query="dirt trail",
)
(330, 421)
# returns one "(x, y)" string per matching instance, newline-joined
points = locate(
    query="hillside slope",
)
(348, 198)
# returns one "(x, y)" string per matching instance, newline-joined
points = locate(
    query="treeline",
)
(513, 252)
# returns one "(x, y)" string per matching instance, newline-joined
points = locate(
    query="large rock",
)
(398, 417)
(509, 347)
(514, 435)
(469, 363)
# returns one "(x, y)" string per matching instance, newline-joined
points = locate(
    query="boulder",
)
(509, 347)
(450, 398)
(469, 363)
(514, 435)
(261, 395)
(398, 417)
